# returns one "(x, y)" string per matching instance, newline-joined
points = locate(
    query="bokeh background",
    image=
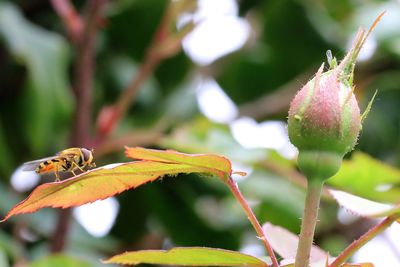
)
(208, 76)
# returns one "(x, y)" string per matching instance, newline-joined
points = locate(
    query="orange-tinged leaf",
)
(188, 256)
(215, 164)
(112, 179)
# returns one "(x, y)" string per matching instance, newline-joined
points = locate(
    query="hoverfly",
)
(68, 160)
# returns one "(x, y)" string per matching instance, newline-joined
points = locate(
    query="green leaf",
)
(364, 207)
(3, 259)
(280, 202)
(47, 100)
(369, 178)
(9, 246)
(189, 256)
(214, 164)
(60, 261)
(175, 205)
(112, 179)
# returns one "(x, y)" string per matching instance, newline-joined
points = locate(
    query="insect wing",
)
(32, 165)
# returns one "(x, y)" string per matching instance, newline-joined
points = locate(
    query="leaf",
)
(188, 256)
(369, 178)
(45, 54)
(285, 244)
(281, 203)
(9, 247)
(112, 179)
(363, 207)
(214, 164)
(3, 259)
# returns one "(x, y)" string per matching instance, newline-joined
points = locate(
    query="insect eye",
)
(87, 155)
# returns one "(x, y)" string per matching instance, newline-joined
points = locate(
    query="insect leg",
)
(77, 166)
(57, 176)
(56, 168)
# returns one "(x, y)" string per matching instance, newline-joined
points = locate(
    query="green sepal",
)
(319, 165)
(368, 109)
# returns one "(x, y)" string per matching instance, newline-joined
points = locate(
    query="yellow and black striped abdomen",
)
(52, 165)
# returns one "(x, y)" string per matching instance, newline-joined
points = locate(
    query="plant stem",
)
(357, 244)
(314, 189)
(71, 19)
(84, 70)
(83, 76)
(61, 231)
(253, 220)
(165, 43)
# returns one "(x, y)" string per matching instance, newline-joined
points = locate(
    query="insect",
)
(68, 160)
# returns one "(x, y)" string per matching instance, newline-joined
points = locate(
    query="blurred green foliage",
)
(288, 43)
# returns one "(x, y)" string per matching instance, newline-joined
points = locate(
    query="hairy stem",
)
(314, 189)
(253, 220)
(357, 244)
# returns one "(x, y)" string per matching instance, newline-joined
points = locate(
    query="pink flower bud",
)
(324, 122)
(324, 115)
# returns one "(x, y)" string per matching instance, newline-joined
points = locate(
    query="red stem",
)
(357, 244)
(253, 219)
(71, 19)
(84, 71)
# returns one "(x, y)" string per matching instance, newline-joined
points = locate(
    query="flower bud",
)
(324, 121)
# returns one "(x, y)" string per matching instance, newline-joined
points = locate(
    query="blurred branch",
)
(137, 138)
(71, 19)
(275, 102)
(279, 100)
(59, 237)
(293, 176)
(164, 44)
(84, 70)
